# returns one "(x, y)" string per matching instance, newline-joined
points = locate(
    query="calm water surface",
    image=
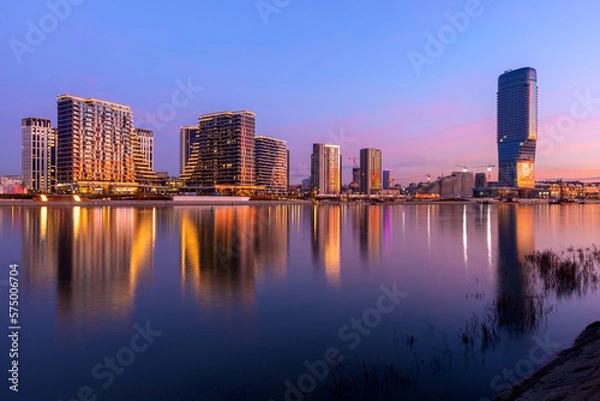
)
(240, 297)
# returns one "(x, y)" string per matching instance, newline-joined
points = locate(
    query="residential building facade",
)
(95, 145)
(38, 154)
(370, 171)
(146, 141)
(326, 169)
(223, 158)
(271, 165)
(188, 136)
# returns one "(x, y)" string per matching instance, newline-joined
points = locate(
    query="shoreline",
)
(573, 375)
(236, 202)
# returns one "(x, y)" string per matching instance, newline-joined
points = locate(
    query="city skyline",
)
(421, 115)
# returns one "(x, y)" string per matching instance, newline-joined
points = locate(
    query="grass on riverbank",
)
(568, 272)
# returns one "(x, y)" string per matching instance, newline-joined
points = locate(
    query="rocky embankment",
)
(573, 376)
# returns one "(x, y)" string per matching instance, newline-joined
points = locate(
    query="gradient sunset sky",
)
(316, 72)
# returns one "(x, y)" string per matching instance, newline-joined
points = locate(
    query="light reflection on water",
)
(245, 294)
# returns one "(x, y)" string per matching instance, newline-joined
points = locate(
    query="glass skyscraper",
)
(517, 127)
(370, 171)
(326, 169)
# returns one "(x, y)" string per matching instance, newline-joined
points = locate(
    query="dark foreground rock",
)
(573, 376)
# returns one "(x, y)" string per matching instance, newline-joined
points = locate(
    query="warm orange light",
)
(44, 198)
(76, 198)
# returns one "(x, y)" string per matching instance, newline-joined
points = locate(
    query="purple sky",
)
(315, 72)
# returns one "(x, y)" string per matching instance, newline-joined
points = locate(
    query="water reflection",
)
(218, 255)
(370, 234)
(326, 224)
(93, 257)
(516, 301)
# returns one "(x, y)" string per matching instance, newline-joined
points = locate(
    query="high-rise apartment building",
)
(388, 180)
(271, 164)
(189, 135)
(223, 158)
(517, 127)
(370, 171)
(146, 141)
(95, 144)
(38, 154)
(326, 169)
(143, 157)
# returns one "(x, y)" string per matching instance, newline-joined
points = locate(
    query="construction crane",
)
(354, 160)
(465, 168)
(428, 177)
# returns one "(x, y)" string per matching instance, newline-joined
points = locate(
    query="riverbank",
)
(223, 201)
(573, 376)
(143, 203)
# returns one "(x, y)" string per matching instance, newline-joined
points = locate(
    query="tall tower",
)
(517, 116)
(326, 169)
(370, 171)
(38, 154)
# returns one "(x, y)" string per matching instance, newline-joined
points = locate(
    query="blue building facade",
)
(517, 127)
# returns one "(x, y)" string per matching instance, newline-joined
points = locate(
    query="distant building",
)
(480, 180)
(12, 184)
(189, 136)
(459, 184)
(271, 164)
(354, 186)
(388, 180)
(326, 169)
(38, 154)
(95, 145)
(287, 162)
(223, 158)
(370, 171)
(517, 127)
(146, 140)
(306, 181)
